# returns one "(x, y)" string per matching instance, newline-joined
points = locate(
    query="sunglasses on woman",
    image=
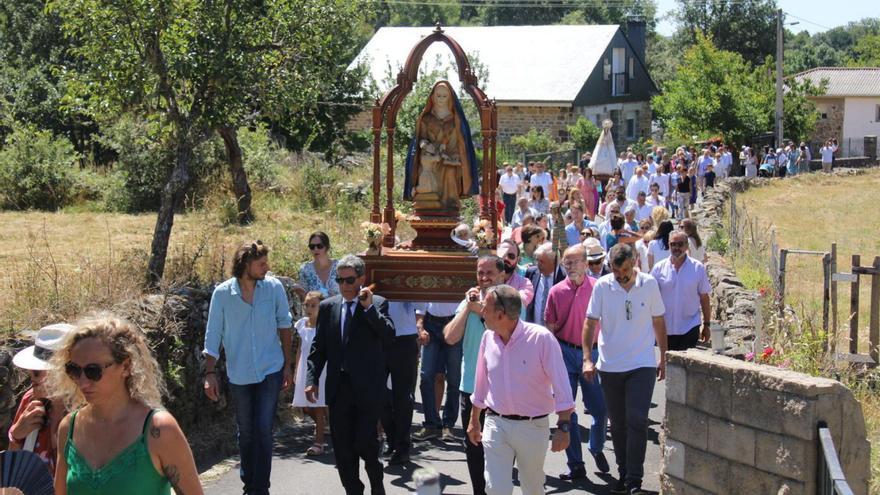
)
(93, 371)
(312, 247)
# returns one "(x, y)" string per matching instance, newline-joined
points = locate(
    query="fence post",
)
(834, 328)
(854, 307)
(826, 294)
(780, 281)
(874, 325)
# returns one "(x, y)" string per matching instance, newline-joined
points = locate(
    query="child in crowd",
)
(692, 175)
(35, 427)
(305, 327)
(710, 178)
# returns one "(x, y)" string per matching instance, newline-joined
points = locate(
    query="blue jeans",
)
(439, 357)
(593, 400)
(255, 406)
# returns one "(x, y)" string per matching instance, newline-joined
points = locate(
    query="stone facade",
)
(832, 124)
(514, 120)
(734, 427)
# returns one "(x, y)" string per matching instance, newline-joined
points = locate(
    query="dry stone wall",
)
(734, 427)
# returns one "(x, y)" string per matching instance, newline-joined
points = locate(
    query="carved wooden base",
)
(433, 233)
(421, 275)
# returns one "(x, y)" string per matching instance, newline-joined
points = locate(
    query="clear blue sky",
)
(815, 15)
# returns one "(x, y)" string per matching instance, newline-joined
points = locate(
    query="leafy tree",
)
(747, 28)
(31, 46)
(205, 67)
(533, 142)
(867, 52)
(718, 92)
(584, 133)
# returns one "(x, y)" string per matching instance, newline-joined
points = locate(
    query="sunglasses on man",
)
(345, 280)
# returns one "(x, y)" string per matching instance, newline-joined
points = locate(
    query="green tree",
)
(866, 52)
(714, 91)
(204, 67)
(584, 134)
(747, 28)
(533, 142)
(717, 92)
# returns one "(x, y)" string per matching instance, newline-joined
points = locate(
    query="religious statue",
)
(604, 158)
(441, 166)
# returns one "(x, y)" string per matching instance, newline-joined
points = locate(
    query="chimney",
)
(636, 32)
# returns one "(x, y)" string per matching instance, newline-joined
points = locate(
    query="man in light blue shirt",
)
(249, 318)
(578, 223)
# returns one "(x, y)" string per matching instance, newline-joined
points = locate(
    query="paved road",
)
(293, 473)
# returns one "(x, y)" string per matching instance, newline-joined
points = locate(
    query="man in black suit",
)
(352, 334)
(544, 275)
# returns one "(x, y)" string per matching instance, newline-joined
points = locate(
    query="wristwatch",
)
(564, 426)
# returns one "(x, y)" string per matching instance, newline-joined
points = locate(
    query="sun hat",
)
(49, 339)
(595, 252)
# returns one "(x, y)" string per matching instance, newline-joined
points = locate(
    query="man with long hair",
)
(250, 318)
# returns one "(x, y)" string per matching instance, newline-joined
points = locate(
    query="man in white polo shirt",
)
(685, 289)
(827, 153)
(630, 309)
(509, 184)
(628, 167)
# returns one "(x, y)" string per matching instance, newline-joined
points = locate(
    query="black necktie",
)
(349, 315)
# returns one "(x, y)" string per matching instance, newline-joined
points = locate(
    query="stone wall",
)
(175, 326)
(735, 427)
(832, 125)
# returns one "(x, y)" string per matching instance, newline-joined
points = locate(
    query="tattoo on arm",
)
(155, 432)
(173, 474)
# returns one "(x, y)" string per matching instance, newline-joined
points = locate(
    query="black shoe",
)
(577, 473)
(425, 433)
(398, 459)
(619, 487)
(636, 490)
(601, 462)
(389, 450)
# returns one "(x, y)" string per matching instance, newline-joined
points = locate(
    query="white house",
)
(850, 107)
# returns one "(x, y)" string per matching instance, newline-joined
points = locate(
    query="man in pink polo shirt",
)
(520, 380)
(564, 315)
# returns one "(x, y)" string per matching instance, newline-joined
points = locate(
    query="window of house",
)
(632, 73)
(877, 116)
(824, 115)
(606, 67)
(630, 128)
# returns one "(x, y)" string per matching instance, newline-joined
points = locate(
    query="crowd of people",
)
(591, 283)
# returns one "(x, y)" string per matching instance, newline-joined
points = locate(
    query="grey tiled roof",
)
(845, 81)
(524, 63)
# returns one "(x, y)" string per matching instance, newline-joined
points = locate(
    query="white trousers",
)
(506, 440)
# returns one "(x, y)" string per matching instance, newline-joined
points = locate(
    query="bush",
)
(317, 181)
(533, 142)
(584, 134)
(261, 155)
(37, 170)
(142, 165)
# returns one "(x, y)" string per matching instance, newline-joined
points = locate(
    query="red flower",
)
(768, 351)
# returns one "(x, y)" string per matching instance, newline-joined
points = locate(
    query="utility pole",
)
(779, 31)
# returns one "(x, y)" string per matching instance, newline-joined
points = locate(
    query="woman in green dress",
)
(118, 439)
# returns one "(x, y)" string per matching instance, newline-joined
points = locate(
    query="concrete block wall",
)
(735, 427)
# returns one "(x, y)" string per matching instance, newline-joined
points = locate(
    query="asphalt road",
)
(293, 473)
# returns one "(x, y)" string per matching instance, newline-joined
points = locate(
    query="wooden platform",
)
(421, 276)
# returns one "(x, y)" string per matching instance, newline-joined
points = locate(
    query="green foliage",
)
(867, 52)
(533, 142)
(584, 133)
(317, 180)
(37, 170)
(718, 92)
(262, 156)
(718, 240)
(142, 164)
(747, 28)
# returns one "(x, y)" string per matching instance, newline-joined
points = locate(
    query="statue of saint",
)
(441, 166)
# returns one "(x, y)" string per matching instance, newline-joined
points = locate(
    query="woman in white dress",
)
(751, 163)
(696, 248)
(305, 327)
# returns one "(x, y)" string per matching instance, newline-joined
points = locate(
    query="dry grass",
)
(810, 212)
(58, 266)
